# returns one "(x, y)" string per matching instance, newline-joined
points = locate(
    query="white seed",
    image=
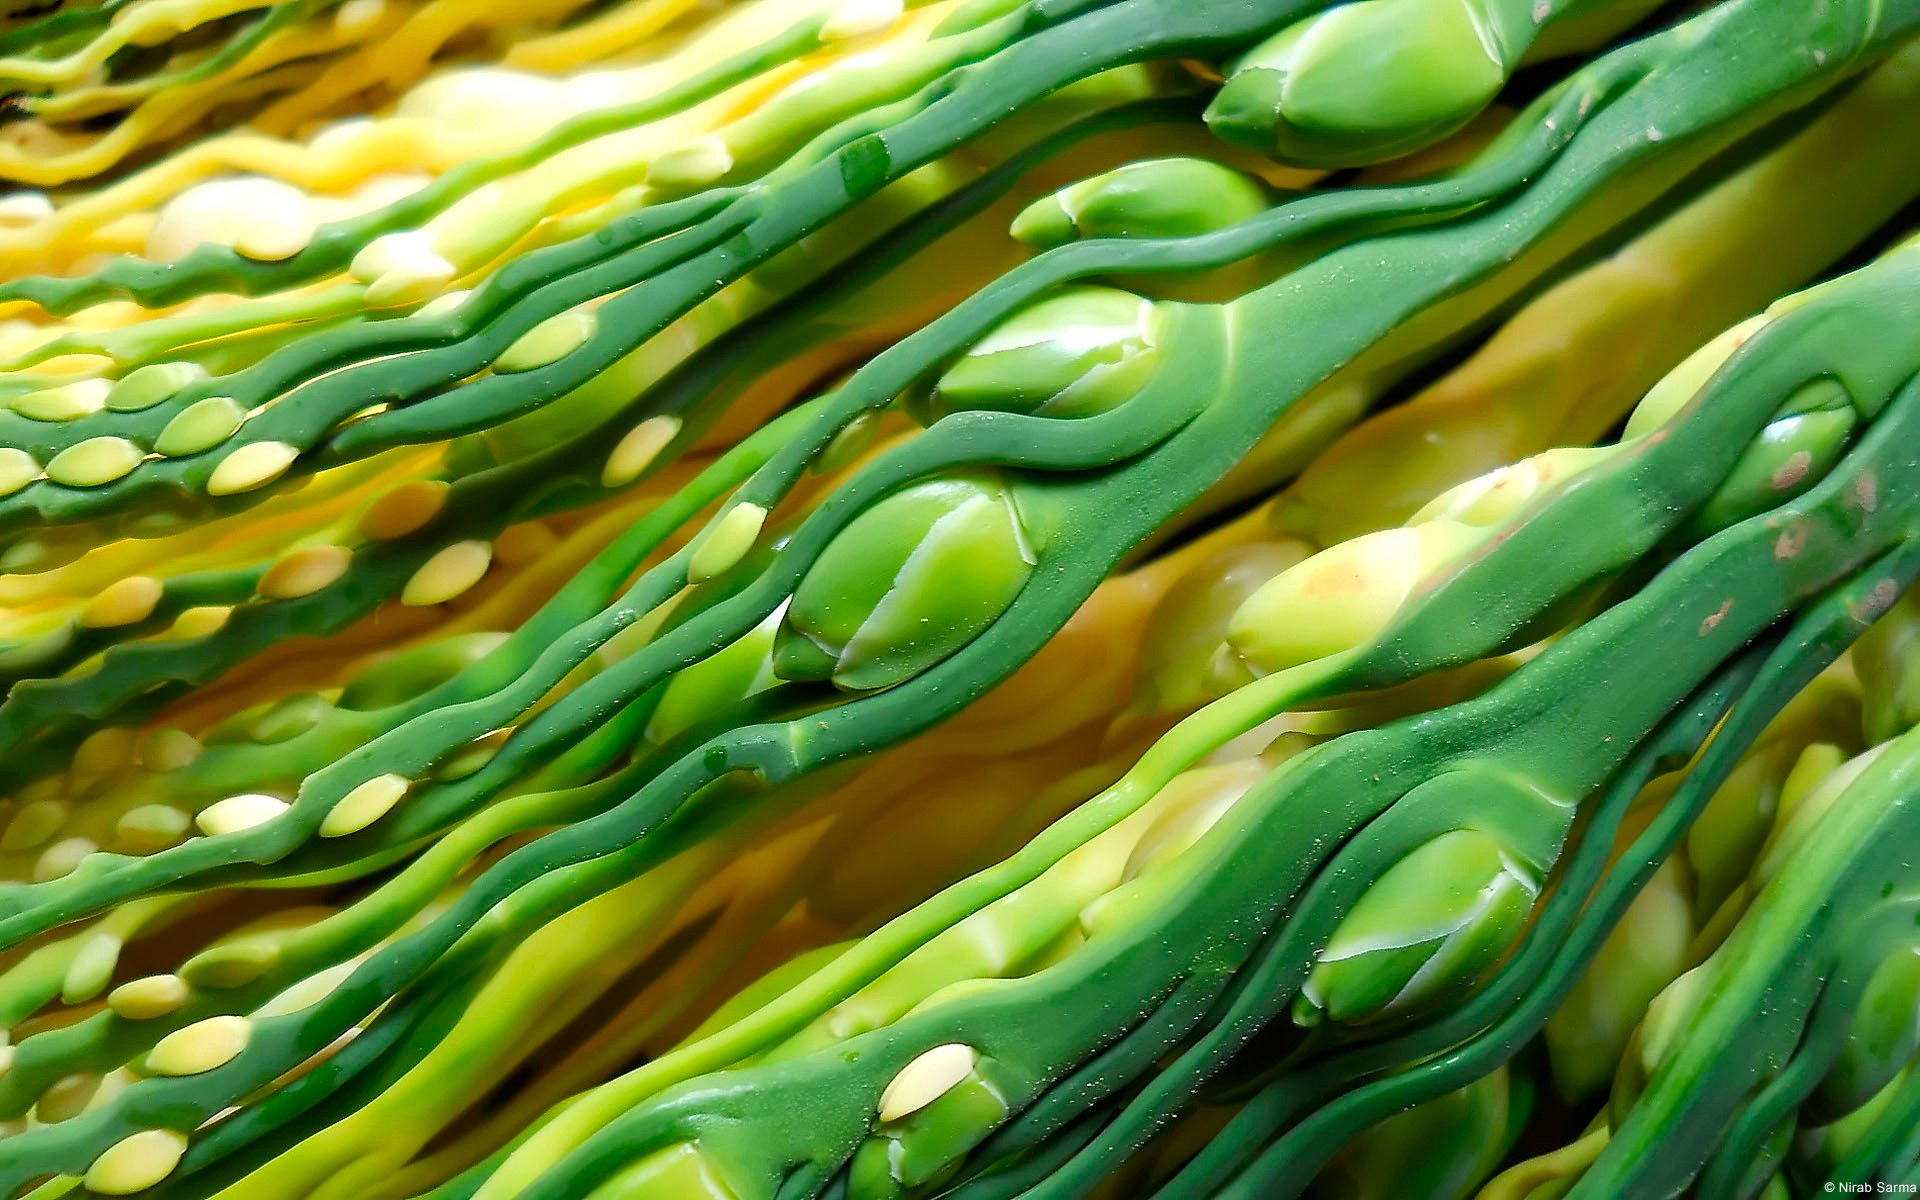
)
(201, 1046)
(125, 602)
(926, 1079)
(525, 543)
(200, 622)
(727, 544)
(635, 452)
(24, 208)
(66, 1098)
(443, 305)
(66, 401)
(259, 217)
(136, 1163)
(304, 572)
(447, 574)
(236, 813)
(695, 164)
(858, 18)
(91, 968)
(151, 827)
(104, 750)
(61, 858)
(364, 805)
(147, 998)
(405, 509)
(253, 465)
(355, 16)
(17, 469)
(36, 821)
(169, 750)
(401, 268)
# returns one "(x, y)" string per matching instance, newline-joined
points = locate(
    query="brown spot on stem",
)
(1791, 541)
(1791, 472)
(1866, 492)
(1878, 601)
(1713, 619)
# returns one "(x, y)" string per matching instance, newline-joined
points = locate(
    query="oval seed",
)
(401, 268)
(34, 824)
(853, 440)
(442, 305)
(102, 751)
(61, 858)
(289, 718)
(94, 462)
(694, 165)
(447, 574)
(145, 999)
(727, 544)
(66, 1098)
(548, 342)
(857, 18)
(525, 543)
(17, 469)
(204, 425)
(136, 1163)
(169, 750)
(151, 827)
(635, 452)
(926, 1079)
(304, 572)
(91, 969)
(261, 218)
(201, 1046)
(404, 510)
(276, 235)
(126, 602)
(203, 621)
(253, 465)
(364, 805)
(147, 386)
(233, 965)
(66, 402)
(237, 813)
(24, 208)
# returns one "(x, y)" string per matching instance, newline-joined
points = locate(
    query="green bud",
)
(1646, 951)
(399, 677)
(1427, 928)
(1791, 454)
(1677, 388)
(681, 1170)
(1803, 803)
(1153, 198)
(1075, 354)
(1657, 1035)
(204, 425)
(94, 462)
(1441, 1149)
(288, 719)
(1190, 622)
(906, 584)
(716, 683)
(1827, 1146)
(1884, 1036)
(147, 386)
(1887, 659)
(924, 1148)
(1341, 598)
(1364, 82)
